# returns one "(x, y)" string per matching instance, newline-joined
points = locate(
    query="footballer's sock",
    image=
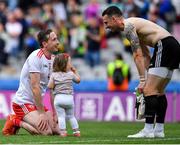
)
(149, 127)
(17, 122)
(151, 104)
(161, 109)
(159, 127)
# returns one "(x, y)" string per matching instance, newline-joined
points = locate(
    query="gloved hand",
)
(140, 104)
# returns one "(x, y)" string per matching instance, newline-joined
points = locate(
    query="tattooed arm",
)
(147, 56)
(132, 36)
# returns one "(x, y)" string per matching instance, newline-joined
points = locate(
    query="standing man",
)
(143, 33)
(27, 104)
(119, 75)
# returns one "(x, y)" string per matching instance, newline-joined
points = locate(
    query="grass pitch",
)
(97, 133)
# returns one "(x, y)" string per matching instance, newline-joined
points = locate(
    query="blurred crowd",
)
(77, 22)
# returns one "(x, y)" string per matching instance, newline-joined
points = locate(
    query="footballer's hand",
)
(141, 87)
(43, 122)
(55, 120)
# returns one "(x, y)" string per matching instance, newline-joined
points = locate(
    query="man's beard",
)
(116, 29)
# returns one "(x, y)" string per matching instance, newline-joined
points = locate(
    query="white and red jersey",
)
(36, 62)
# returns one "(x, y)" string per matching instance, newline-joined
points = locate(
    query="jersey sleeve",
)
(34, 64)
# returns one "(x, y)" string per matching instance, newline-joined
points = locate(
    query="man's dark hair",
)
(43, 36)
(112, 10)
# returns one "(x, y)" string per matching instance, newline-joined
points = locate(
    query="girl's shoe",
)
(76, 133)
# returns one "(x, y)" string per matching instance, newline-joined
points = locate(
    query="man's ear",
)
(113, 18)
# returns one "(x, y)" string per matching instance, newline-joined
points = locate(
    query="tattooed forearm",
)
(132, 36)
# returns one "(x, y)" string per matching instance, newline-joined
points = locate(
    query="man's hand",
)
(141, 84)
(43, 122)
(55, 120)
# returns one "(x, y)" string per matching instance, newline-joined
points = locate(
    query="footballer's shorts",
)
(166, 54)
(23, 109)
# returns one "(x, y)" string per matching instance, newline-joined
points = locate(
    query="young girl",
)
(62, 101)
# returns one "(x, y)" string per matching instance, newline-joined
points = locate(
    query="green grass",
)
(97, 133)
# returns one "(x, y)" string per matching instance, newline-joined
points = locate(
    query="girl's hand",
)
(73, 69)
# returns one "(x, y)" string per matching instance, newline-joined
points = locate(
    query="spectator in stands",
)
(3, 12)
(27, 104)
(77, 34)
(12, 4)
(176, 4)
(129, 7)
(154, 17)
(30, 43)
(92, 9)
(72, 7)
(14, 30)
(62, 32)
(143, 7)
(93, 42)
(119, 74)
(167, 12)
(3, 43)
(3, 55)
(20, 17)
(59, 10)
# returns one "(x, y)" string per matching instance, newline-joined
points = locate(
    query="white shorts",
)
(162, 72)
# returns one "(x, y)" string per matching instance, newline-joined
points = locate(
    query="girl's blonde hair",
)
(60, 62)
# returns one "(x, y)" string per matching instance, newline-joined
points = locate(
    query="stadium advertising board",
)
(108, 106)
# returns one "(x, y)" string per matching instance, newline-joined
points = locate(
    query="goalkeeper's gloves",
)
(140, 105)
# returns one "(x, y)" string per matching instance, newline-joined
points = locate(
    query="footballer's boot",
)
(159, 134)
(142, 134)
(77, 133)
(9, 127)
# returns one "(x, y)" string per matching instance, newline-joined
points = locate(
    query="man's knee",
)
(32, 118)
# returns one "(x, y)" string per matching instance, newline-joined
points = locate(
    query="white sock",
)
(148, 127)
(159, 127)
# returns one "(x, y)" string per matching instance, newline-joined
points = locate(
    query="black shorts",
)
(166, 54)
